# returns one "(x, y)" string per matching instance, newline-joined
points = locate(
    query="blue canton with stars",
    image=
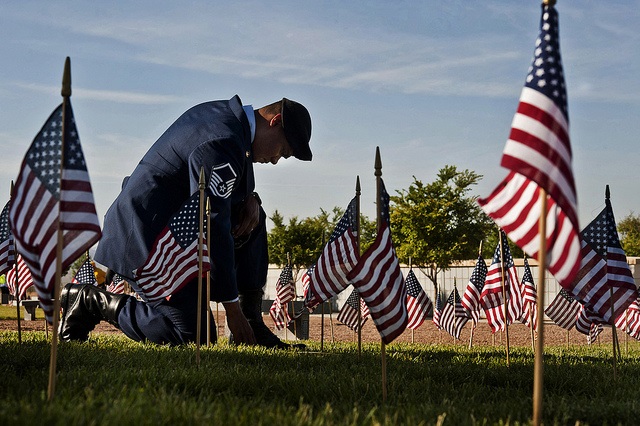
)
(508, 259)
(5, 230)
(43, 156)
(184, 224)
(348, 221)
(413, 286)
(546, 74)
(384, 203)
(601, 232)
(479, 274)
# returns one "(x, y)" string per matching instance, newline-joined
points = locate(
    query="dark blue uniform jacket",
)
(215, 135)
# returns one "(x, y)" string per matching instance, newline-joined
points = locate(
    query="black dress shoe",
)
(84, 306)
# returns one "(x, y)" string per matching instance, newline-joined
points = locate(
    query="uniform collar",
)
(248, 110)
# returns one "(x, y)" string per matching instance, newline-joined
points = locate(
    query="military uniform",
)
(217, 136)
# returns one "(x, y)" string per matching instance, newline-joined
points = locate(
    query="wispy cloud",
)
(105, 95)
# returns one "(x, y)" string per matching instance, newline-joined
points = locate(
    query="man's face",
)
(270, 144)
(270, 149)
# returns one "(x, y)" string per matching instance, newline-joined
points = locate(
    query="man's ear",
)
(276, 120)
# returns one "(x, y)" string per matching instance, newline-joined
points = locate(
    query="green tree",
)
(303, 240)
(438, 223)
(629, 230)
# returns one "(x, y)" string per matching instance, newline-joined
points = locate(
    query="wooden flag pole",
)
(378, 174)
(66, 93)
(538, 368)
(208, 288)
(614, 336)
(473, 329)
(412, 330)
(15, 265)
(533, 326)
(333, 338)
(505, 297)
(358, 192)
(201, 186)
(286, 326)
(322, 314)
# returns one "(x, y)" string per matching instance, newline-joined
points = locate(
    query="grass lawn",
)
(112, 380)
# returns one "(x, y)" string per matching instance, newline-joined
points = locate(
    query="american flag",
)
(348, 314)
(538, 153)
(438, 308)
(339, 256)
(44, 200)
(173, 260)
(306, 281)
(86, 274)
(529, 297)
(117, 285)
(453, 317)
(24, 279)
(604, 267)
(589, 323)
(629, 321)
(563, 310)
(471, 296)
(378, 279)
(285, 293)
(491, 298)
(7, 246)
(419, 305)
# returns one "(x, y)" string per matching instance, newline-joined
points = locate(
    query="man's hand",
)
(248, 217)
(238, 324)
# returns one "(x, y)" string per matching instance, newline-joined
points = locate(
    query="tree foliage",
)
(629, 230)
(438, 223)
(303, 239)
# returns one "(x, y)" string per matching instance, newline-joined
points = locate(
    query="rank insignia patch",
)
(222, 179)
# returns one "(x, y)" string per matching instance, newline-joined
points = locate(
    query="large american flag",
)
(538, 153)
(492, 297)
(529, 297)
(173, 259)
(7, 246)
(348, 314)
(339, 256)
(378, 279)
(604, 267)
(86, 274)
(19, 285)
(117, 285)
(285, 293)
(471, 296)
(453, 317)
(419, 305)
(563, 310)
(45, 199)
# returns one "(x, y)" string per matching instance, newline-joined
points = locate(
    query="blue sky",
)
(430, 83)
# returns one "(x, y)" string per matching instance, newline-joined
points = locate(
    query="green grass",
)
(9, 312)
(112, 380)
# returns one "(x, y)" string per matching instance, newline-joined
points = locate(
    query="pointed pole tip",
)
(66, 78)
(607, 193)
(378, 163)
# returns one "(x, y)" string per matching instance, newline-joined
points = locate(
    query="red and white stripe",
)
(378, 279)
